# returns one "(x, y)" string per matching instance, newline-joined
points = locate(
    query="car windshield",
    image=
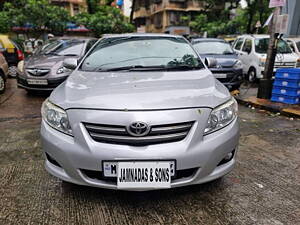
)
(261, 46)
(63, 47)
(142, 53)
(213, 48)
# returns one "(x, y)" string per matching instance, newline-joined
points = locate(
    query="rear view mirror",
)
(70, 63)
(210, 62)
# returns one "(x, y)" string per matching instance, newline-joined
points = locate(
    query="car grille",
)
(37, 72)
(285, 64)
(158, 134)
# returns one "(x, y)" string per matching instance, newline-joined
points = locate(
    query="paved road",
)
(263, 189)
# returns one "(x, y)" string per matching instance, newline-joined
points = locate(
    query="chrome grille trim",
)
(159, 134)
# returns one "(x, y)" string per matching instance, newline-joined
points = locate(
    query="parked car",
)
(12, 53)
(44, 70)
(3, 71)
(140, 112)
(252, 50)
(294, 43)
(229, 69)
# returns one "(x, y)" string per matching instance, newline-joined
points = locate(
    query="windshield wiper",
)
(68, 55)
(131, 68)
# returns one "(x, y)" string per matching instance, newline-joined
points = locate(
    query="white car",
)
(252, 51)
(294, 43)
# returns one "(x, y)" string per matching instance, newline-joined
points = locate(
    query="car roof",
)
(292, 38)
(197, 40)
(254, 36)
(73, 38)
(141, 35)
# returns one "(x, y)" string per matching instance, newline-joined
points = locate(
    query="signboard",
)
(276, 3)
(282, 24)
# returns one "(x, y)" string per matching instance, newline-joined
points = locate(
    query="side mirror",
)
(210, 62)
(70, 63)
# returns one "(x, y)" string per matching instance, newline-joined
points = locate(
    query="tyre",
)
(251, 76)
(2, 84)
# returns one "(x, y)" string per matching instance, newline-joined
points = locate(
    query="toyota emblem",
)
(138, 129)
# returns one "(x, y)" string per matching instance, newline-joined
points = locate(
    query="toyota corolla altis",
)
(140, 112)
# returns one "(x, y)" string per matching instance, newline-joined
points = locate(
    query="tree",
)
(40, 15)
(4, 26)
(106, 20)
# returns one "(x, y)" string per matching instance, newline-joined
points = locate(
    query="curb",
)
(284, 112)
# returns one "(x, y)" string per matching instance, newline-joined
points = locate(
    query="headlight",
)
(238, 65)
(298, 63)
(63, 70)
(221, 116)
(56, 117)
(262, 62)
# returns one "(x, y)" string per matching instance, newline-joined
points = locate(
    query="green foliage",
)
(4, 26)
(244, 22)
(38, 13)
(106, 20)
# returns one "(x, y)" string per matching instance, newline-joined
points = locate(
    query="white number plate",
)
(132, 175)
(37, 82)
(220, 75)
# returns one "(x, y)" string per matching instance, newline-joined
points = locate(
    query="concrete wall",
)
(293, 9)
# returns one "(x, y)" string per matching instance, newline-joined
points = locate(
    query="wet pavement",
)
(264, 188)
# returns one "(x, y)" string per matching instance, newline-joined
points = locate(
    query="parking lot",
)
(264, 188)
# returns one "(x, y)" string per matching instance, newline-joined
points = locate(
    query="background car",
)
(229, 69)
(252, 51)
(44, 70)
(294, 43)
(12, 53)
(3, 72)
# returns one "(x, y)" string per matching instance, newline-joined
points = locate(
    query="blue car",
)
(228, 69)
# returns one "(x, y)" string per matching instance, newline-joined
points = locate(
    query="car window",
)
(247, 46)
(298, 45)
(141, 51)
(89, 45)
(213, 48)
(238, 44)
(291, 44)
(262, 44)
(63, 47)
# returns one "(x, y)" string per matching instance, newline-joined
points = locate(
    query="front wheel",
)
(2, 84)
(252, 75)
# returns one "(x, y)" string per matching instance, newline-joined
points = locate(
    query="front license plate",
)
(133, 175)
(220, 75)
(37, 82)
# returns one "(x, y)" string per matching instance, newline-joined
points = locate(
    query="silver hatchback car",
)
(140, 112)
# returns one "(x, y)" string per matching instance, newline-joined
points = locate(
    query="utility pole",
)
(266, 83)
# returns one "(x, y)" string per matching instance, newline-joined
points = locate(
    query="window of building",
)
(76, 9)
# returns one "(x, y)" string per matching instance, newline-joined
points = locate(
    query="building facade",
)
(73, 6)
(165, 16)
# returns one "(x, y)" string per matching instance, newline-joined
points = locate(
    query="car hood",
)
(44, 61)
(224, 60)
(140, 90)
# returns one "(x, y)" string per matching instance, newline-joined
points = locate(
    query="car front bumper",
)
(198, 157)
(233, 77)
(52, 83)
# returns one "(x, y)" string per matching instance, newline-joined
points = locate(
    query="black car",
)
(228, 69)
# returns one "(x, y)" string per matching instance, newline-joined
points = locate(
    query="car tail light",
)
(20, 55)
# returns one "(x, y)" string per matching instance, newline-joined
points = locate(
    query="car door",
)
(245, 55)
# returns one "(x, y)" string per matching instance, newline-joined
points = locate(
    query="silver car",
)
(140, 112)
